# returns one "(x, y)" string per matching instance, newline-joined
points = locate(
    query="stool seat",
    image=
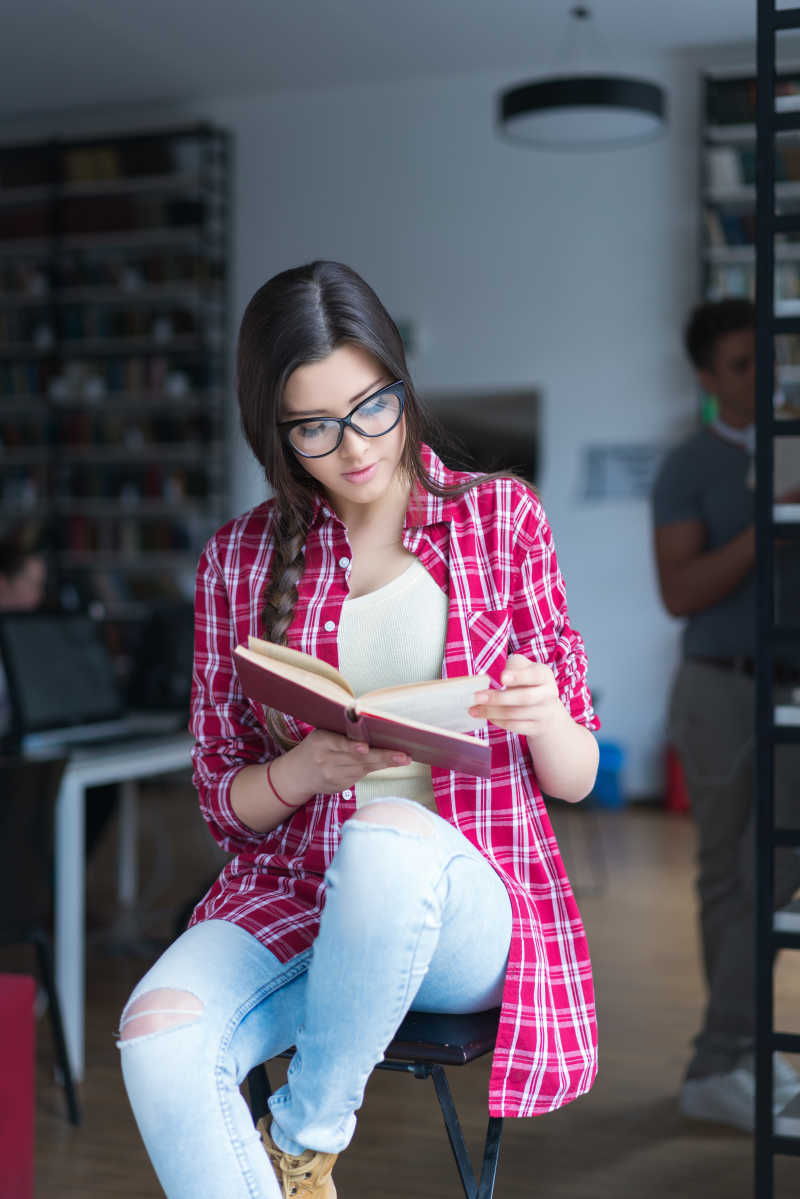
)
(450, 1040)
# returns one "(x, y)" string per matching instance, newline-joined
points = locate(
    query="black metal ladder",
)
(770, 636)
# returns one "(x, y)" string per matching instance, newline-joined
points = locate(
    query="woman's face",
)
(363, 469)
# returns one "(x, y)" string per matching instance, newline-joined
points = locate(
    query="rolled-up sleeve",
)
(227, 734)
(540, 621)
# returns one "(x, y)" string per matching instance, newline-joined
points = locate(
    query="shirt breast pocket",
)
(489, 632)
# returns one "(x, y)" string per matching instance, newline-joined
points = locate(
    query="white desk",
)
(121, 762)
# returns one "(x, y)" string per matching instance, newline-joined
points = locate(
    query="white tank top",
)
(390, 636)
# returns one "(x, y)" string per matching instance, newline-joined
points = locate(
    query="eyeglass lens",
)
(372, 418)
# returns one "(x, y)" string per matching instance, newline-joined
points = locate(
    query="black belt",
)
(742, 664)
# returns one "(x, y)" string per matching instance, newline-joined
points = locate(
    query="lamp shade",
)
(582, 111)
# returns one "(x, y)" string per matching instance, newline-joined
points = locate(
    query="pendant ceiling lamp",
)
(582, 109)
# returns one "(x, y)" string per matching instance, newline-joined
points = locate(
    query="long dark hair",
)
(298, 317)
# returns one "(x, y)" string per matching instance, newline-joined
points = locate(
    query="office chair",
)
(425, 1043)
(28, 791)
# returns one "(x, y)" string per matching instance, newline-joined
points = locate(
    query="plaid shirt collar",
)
(424, 509)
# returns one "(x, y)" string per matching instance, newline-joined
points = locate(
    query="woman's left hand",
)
(529, 703)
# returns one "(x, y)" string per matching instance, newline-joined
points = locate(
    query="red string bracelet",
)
(275, 793)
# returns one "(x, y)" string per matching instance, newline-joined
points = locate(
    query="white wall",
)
(570, 272)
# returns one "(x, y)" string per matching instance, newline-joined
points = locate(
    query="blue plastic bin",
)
(607, 790)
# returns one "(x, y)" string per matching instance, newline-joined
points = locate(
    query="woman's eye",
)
(373, 407)
(309, 432)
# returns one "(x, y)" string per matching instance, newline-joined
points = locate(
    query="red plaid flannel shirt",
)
(491, 551)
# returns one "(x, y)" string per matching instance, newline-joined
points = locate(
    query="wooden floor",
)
(632, 871)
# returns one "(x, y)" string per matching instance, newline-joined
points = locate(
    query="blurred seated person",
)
(23, 571)
(23, 588)
(23, 579)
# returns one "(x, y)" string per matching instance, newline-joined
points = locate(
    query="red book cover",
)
(393, 718)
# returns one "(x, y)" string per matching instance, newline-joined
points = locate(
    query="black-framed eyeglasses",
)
(317, 436)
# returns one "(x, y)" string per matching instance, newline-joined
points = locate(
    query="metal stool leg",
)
(491, 1154)
(259, 1091)
(454, 1133)
(44, 955)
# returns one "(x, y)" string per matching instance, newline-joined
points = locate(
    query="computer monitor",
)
(497, 430)
(59, 672)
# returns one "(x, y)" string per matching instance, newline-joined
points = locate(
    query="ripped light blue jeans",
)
(414, 917)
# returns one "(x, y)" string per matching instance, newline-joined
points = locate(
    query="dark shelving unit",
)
(114, 258)
(776, 118)
(728, 200)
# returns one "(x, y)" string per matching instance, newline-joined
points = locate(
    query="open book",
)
(425, 720)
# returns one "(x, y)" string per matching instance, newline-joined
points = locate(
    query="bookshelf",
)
(113, 372)
(728, 199)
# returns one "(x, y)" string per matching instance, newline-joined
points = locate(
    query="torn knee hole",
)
(157, 1010)
(396, 815)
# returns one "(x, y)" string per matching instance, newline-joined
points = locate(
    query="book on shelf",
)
(724, 168)
(428, 720)
(785, 459)
(730, 101)
(785, 462)
(730, 168)
(714, 231)
(726, 228)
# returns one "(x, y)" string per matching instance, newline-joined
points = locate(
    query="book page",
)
(370, 711)
(442, 703)
(300, 661)
(321, 684)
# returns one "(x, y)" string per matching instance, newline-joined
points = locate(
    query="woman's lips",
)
(361, 476)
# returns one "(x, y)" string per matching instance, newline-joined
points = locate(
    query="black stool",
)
(426, 1042)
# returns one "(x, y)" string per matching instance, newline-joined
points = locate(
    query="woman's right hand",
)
(320, 764)
(336, 763)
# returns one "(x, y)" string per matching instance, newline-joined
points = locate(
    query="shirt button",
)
(326, 512)
(329, 626)
(344, 563)
(348, 794)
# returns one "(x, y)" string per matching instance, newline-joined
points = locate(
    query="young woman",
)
(363, 884)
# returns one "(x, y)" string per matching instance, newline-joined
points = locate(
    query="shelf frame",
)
(768, 731)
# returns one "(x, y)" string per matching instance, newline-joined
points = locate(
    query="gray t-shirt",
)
(705, 479)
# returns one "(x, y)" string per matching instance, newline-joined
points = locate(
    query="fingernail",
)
(481, 697)
(400, 759)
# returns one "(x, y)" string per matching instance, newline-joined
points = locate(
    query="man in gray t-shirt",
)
(703, 505)
(703, 484)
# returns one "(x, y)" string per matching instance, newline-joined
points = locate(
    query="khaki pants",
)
(712, 727)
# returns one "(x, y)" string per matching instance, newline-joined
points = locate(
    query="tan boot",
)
(305, 1177)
